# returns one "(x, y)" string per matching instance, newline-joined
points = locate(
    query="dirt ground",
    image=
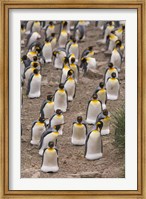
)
(72, 163)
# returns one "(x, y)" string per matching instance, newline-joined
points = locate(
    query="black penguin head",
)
(101, 84)
(53, 34)
(47, 40)
(49, 97)
(123, 27)
(72, 60)
(41, 119)
(74, 39)
(95, 96)
(51, 144)
(70, 73)
(66, 60)
(110, 23)
(35, 58)
(61, 86)
(58, 112)
(35, 65)
(113, 75)
(84, 60)
(118, 43)
(38, 48)
(79, 119)
(105, 112)
(110, 65)
(90, 48)
(36, 71)
(51, 23)
(71, 37)
(64, 23)
(57, 127)
(24, 57)
(99, 125)
(22, 26)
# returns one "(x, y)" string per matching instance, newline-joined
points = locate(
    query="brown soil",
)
(71, 158)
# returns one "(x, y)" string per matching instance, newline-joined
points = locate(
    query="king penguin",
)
(116, 57)
(88, 52)
(105, 118)
(75, 68)
(79, 132)
(102, 94)
(93, 145)
(47, 51)
(60, 99)
(88, 63)
(63, 36)
(65, 70)
(50, 135)
(34, 85)
(50, 159)
(70, 85)
(94, 108)
(47, 108)
(59, 56)
(57, 119)
(112, 87)
(50, 28)
(74, 49)
(38, 127)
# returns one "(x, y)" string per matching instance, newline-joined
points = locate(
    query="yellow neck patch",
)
(95, 131)
(40, 124)
(95, 101)
(51, 149)
(50, 102)
(61, 90)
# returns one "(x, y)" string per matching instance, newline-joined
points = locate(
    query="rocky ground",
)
(72, 163)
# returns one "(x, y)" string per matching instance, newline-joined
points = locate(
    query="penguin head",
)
(95, 96)
(118, 43)
(58, 112)
(51, 23)
(101, 84)
(38, 48)
(71, 38)
(35, 71)
(79, 119)
(110, 65)
(74, 39)
(51, 144)
(90, 48)
(35, 58)
(57, 127)
(99, 125)
(66, 60)
(35, 65)
(24, 57)
(70, 73)
(64, 23)
(53, 34)
(47, 40)
(84, 60)
(61, 86)
(22, 27)
(49, 97)
(105, 112)
(123, 26)
(55, 53)
(113, 75)
(41, 119)
(73, 60)
(110, 23)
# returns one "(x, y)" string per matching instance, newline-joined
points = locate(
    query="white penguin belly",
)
(112, 87)
(48, 138)
(58, 63)
(48, 110)
(60, 101)
(111, 45)
(94, 109)
(74, 50)
(79, 134)
(50, 163)
(94, 146)
(47, 52)
(116, 60)
(64, 75)
(36, 133)
(35, 87)
(57, 121)
(70, 88)
(62, 40)
(106, 126)
(91, 63)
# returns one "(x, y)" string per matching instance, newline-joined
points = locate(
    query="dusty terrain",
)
(71, 158)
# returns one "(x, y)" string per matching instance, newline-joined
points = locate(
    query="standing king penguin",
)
(112, 87)
(60, 99)
(63, 36)
(38, 127)
(34, 85)
(93, 145)
(50, 159)
(94, 108)
(47, 51)
(79, 132)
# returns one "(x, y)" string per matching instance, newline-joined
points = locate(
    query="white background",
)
(127, 183)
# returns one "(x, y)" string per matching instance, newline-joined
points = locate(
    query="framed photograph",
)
(72, 98)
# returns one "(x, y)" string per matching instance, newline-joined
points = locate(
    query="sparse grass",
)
(119, 124)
